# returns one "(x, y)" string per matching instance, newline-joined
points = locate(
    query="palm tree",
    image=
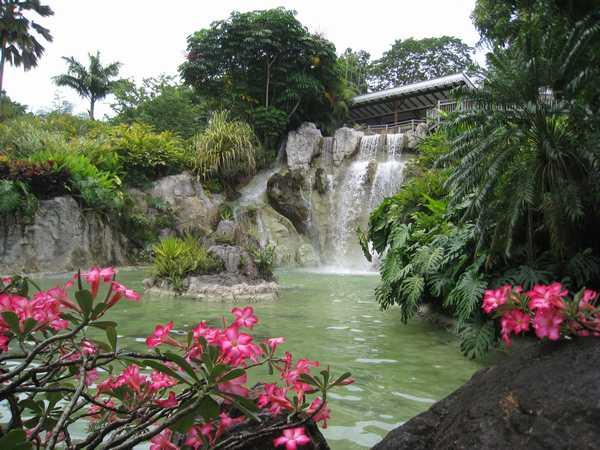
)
(526, 155)
(19, 44)
(94, 82)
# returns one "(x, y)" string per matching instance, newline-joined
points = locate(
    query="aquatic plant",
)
(187, 391)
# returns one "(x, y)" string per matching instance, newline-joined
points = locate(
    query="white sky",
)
(149, 36)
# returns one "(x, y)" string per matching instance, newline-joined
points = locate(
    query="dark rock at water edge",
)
(547, 397)
(287, 193)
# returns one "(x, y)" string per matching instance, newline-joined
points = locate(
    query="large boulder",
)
(346, 143)
(194, 208)
(546, 398)
(235, 259)
(306, 256)
(288, 194)
(226, 232)
(61, 236)
(302, 146)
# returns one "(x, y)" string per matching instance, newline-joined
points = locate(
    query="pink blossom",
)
(237, 346)
(235, 386)
(159, 380)
(549, 296)
(547, 323)
(6, 280)
(244, 317)
(122, 292)
(514, 321)
(194, 435)
(274, 342)
(292, 438)
(492, 299)
(131, 377)
(95, 274)
(588, 297)
(162, 441)
(226, 422)
(160, 335)
(4, 340)
(274, 397)
(324, 413)
(91, 376)
(211, 335)
(169, 402)
(88, 348)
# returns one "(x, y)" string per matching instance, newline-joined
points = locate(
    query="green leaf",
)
(209, 408)
(232, 375)
(184, 423)
(341, 378)
(29, 325)
(15, 440)
(85, 300)
(98, 309)
(162, 368)
(181, 362)
(12, 320)
(309, 379)
(111, 335)
(247, 406)
(104, 324)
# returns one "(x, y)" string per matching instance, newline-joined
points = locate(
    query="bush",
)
(16, 198)
(43, 179)
(145, 155)
(175, 258)
(264, 258)
(226, 149)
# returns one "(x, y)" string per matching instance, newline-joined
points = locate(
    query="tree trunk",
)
(2, 61)
(91, 111)
(267, 88)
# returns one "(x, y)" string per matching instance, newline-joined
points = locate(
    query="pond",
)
(400, 370)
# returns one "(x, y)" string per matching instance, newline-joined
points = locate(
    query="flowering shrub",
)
(185, 392)
(43, 179)
(547, 309)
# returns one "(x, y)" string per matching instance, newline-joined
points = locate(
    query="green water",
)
(400, 370)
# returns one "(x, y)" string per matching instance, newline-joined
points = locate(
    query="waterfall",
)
(374, 175)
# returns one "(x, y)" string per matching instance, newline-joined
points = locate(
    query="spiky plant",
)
(522, 153)
(20, 45)
(226, 149)
(93, 82)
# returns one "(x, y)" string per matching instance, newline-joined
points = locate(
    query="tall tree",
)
(264, 66)
(94, 82)
(355, 69)
(414, 60)
(19, 35)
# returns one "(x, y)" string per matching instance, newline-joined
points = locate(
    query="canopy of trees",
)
(266, 67)
(413, 60)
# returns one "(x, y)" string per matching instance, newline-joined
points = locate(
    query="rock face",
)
(286, 194)
(303, 145)
(235, 259)
(60, 237)
(194, 208)
(346, 141)
(306, 256)
(226, 232)
(546, 398)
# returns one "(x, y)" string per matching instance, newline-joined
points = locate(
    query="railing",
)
(447, 107)
(397, 127)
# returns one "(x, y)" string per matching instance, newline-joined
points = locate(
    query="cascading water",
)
(367, 181)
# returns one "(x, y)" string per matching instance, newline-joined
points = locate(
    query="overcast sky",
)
(149, 36)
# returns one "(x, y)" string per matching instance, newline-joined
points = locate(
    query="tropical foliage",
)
(93, 82)
(506, 192)
(264, 65)
(175, 258)
(226, 149)
(413, 60)
(20, 36)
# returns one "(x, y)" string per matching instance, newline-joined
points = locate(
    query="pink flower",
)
(550, 296)
(6, 280)
(169, 402)
(194, 435)
(226, 422)
(588, 297)
(159, 380)
(275, 397)
(237, 346)
(4, 340)
(292, 438)
(212, 335)
(235, 386)
(122, 292)
(244, 317)
(91, 376)
(88, 348)
(160, 335)
(492, 299)
(274, 342)
(514, 321)
(162, 441)
(131, 377)
(324, 413)
(95, 274)
(547, 323)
